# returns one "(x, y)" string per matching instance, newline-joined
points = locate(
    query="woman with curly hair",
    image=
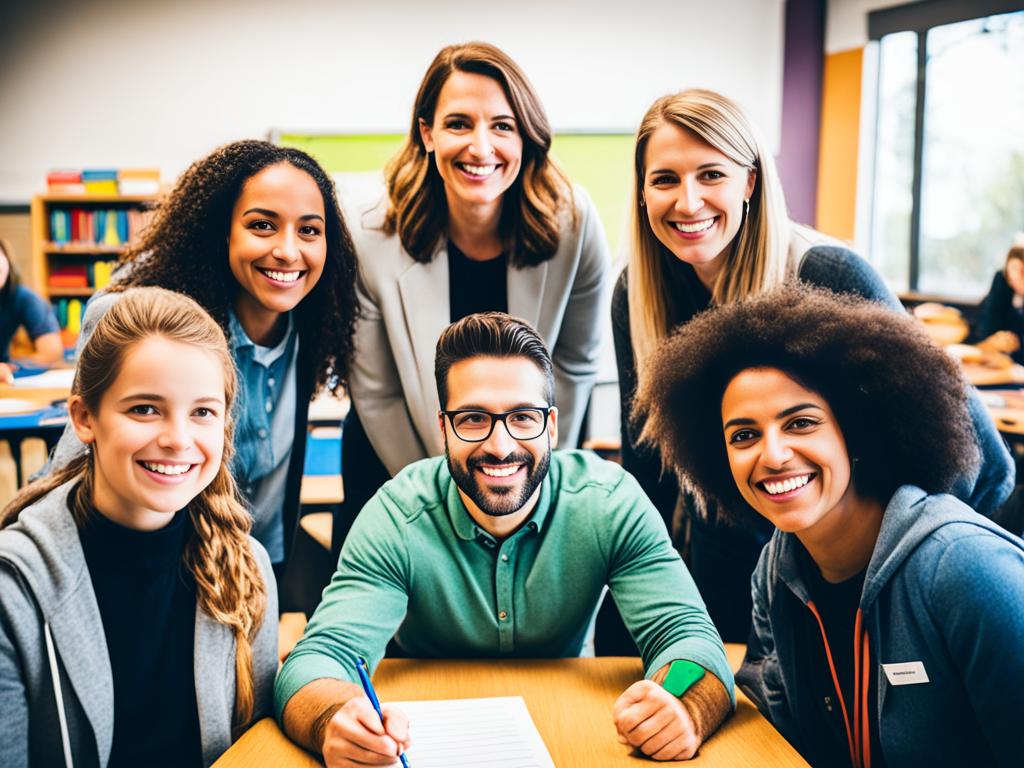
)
(254, 234)
(882, 605)
(137, 618)
(710, 228)
(476, 217)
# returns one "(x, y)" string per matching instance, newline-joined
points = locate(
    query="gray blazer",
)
(405, 306)
(50, 621)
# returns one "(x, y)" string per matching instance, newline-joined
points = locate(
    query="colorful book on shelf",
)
(138, 181)
(74, 325)
(60, 308)
(65, 182)
(60, 225)
(100, 181)
(101, 272)
(111, 227)
(69, 276)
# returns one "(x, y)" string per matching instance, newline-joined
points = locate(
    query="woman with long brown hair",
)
(476, 217)
(137, 616)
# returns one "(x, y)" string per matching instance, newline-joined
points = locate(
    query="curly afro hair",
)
(899, 400)
(185, 249)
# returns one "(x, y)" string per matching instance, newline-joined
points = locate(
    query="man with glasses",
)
(502, 548)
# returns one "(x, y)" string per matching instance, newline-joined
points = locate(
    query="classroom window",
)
(948, 192)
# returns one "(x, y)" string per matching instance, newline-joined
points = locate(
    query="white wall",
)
(846, 22)
(113, 82)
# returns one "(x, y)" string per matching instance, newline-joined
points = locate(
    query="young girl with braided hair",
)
(137, 615)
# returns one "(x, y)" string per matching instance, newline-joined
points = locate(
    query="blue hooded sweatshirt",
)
(944, 587)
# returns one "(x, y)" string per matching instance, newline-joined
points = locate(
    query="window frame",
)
(920, 18)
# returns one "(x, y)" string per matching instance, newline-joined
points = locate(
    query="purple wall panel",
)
(803, 63)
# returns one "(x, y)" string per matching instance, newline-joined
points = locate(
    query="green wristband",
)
(681, 675)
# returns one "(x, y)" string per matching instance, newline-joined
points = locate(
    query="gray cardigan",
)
(404, 306)
(50, 622)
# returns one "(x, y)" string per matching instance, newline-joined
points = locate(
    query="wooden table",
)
(570, 701)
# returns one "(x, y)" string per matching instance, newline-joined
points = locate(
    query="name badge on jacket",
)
(905, 673)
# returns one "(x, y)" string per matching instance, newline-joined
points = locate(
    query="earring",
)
(643, 202)
(746, 208)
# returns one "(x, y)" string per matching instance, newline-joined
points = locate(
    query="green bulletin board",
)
(599, 162)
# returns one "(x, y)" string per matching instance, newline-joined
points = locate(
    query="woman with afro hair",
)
(254, 234)
(882, 605)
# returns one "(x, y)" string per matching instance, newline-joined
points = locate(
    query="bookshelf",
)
(76, 241)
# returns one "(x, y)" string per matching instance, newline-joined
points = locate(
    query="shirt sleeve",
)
(992, 312)
(976, 598)
(644, 463)
(575, 354)
(36, 315)
(14, 701)
(844, 271)
(376, 387)
(761, 643)
(656, 595)
(361, 608)
(69, 445)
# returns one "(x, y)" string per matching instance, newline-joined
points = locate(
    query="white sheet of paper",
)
(58, 377)
(459, 733)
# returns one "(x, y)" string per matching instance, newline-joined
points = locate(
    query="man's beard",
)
(503, 500)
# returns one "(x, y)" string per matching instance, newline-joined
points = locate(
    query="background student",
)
(476, 217)
(253, 233)
(21, 307)
(883, 607)
(1001, 316)
(710, 228)
(129, 572)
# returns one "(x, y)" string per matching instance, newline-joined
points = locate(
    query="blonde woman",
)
(137, 617)
(710, 228)
(476, 217)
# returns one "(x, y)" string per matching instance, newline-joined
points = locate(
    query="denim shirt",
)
(264, 429)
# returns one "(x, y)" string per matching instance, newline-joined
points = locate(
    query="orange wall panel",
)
(840, 137)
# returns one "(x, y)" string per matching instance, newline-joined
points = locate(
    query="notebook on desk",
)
(464, 733)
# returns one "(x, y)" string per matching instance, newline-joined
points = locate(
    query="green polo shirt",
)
(417, 567)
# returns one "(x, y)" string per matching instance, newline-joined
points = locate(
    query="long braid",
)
(229, 584)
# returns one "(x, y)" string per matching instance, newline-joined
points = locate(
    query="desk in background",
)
(570, 701)
(30, 425)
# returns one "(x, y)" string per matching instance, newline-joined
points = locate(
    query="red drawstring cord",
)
(856, 689)
(865, 676)
(835, 681)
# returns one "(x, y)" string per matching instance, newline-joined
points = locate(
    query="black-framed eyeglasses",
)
(475, 426)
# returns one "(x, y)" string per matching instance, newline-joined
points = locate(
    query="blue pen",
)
(364, 677)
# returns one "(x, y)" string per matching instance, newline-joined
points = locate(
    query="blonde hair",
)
(417, 206)
(759, 259)
(229, 585)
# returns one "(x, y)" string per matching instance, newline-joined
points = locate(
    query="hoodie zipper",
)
(858, 738)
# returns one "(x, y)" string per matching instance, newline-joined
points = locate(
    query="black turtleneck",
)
(476, 286)
(147, 601)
